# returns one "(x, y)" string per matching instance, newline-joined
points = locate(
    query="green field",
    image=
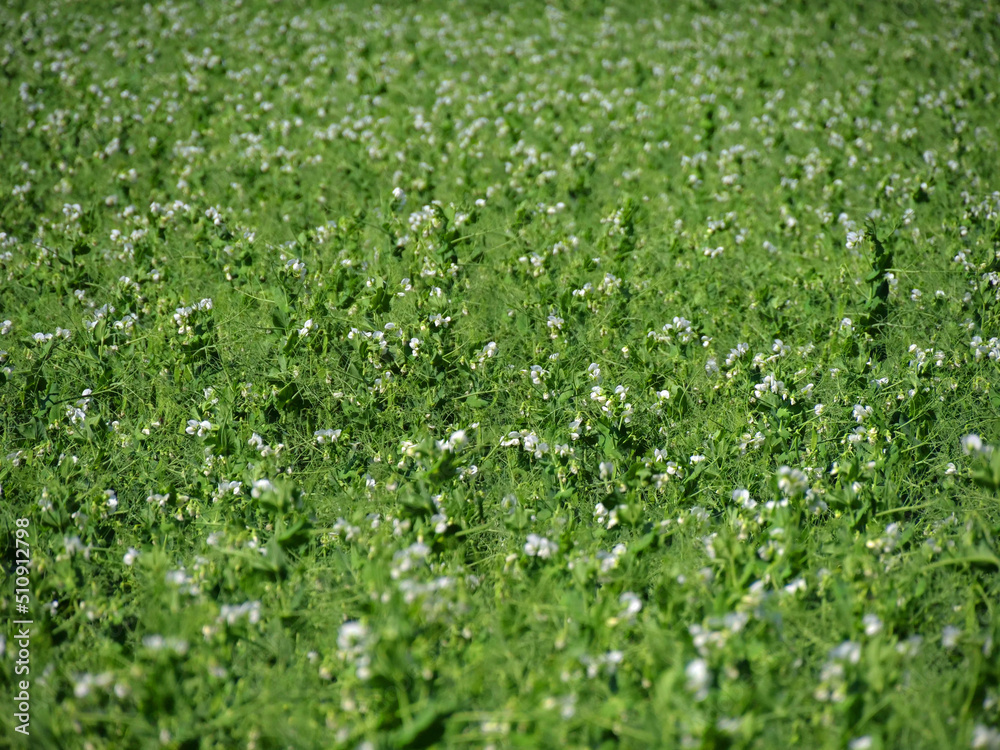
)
(475, 375)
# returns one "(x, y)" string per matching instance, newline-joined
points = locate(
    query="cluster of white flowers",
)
(159, 499)
(539, 546)
(604, 517)
(770, 384)
(528, 440)
(609, 284)
(621, 410)
(227, 487)
(41, 338)
(536, 261)
(922, 358)
(257, 443)
(74, 545)
(296, 267)
(156, 642)
(670, 469)
(680, 329)
(615, 222)
(555, 324)
(487, 352)
(199, 428)
(353, 642)
(85, 683)
(990, 348)
(98, 315)
(408, 559)
(344, 530)
(887, 542)
(439, 320)
(985, 738)
(742, 496)
(872, 624)
(736, 354)
(608, 561)
(378, 338)
(184, 582)
(260, 486)
(833, 681)
(792, 482)
(126, 323)
(751, 442)
(170, 210)
(233, 613)
(607, 663)
(182, 315)
(717, 631)
(632, 606)
(455, 443)
(78, 411)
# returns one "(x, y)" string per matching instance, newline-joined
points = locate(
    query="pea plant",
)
(440, 374)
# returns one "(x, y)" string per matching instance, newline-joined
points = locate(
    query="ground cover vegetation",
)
(443, 375)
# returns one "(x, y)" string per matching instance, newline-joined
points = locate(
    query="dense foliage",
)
(563, 376)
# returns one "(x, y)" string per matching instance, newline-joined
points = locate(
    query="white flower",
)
(633, 605)
(456, 442)
(742, 496)
(326, 436)
(873, 624)
(539, 546)
(607, 469)
(985, 737)
(791, 482)
(972, 444)
(698, 678)
(439, 320)
(260, 487)
(131, 556)
(232, 613)
(848, 651)
(861, 413)
(201, 428)
(949, 636)
(351, 638)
